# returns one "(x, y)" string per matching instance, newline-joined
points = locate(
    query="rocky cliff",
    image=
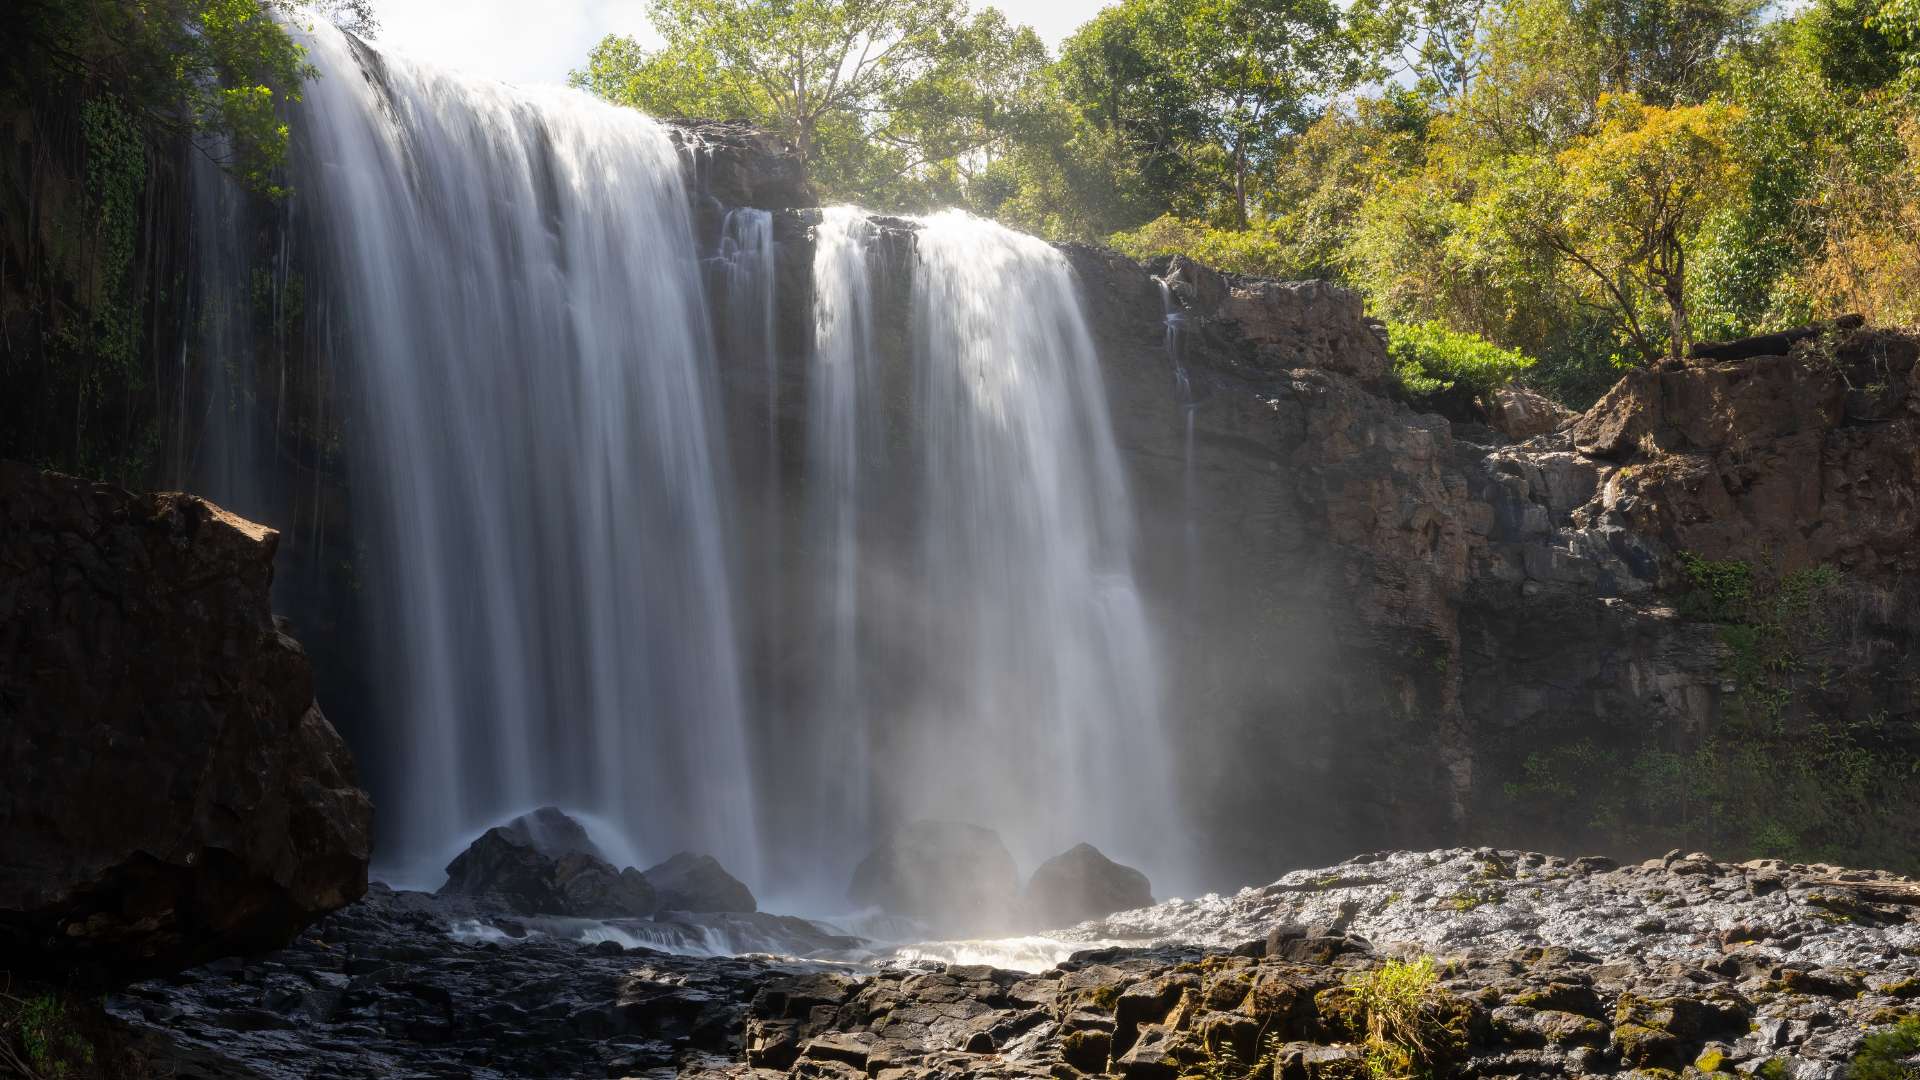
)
(1682, 619)
(173, 793)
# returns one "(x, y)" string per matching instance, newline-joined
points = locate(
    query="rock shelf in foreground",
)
(1543, 967)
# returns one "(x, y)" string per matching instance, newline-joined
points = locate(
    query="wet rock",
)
(544, 864)
(1557, 984)
(957, 877)
(172, 793)
(1082, 884)
(698, 883)
(553, 833)
(738, 164)
(432, 1004)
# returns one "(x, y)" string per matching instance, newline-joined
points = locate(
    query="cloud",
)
(507, 39)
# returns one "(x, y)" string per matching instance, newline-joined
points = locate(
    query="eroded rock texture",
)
(1414, 628)
(172, 793)
(1541, 967)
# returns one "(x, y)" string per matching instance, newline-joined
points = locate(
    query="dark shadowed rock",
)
(551, 832)
(1082, 884)
(689, 882)
(590, 887)
(954, 875)
(500, 866)
(738, 164)
(172, 793)
(535, 865)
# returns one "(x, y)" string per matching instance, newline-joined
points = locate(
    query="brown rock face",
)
(1411, 629)
(1519, 413)
(172, 792)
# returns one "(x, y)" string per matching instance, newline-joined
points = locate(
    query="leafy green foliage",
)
(1223, 1061)
(1633, 197)
(1255, 250)
(39, 1037)
(1887, 1055)
(1408, 1025)
(1429, 358)
(904, 102)
(215, 70)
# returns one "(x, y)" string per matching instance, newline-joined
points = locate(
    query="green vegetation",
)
(39, 1038)
(1592, 184)
(1885, 1055)
(1408, 1026)
(1428, 358)
(1223, 1062)
(211, 70)
(110, 96)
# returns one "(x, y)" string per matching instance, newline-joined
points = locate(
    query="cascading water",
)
(993, 615)
(230, 456)
(541, 489)
(835, 745)
(944, 615)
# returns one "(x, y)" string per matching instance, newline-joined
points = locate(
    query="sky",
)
(540, 41)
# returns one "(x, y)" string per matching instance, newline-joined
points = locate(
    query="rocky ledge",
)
(1461, 962)
(171, 793)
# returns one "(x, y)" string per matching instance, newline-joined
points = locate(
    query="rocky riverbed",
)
(1541, 966)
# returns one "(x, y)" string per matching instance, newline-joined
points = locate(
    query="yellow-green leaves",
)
(1635, 194)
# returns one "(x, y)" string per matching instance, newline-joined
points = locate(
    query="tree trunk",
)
(1675, 291)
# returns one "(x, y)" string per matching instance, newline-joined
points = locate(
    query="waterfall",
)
(912, 595)
(991, 618)
(841, 425)
(540, 485)
(230, 455)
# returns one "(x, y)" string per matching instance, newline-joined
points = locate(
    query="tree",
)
(985, 90)
(212, 70)
(867, 90)
(1635, 194)
(1204, 92)
(1264, 69)
(1441, 43)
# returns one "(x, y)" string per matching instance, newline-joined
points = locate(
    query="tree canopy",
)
(1594, 183)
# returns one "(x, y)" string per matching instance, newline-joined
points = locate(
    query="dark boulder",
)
(590, 887)
(503, 867)
(551, 832)
(689, 882)
(172, 792)
(1082, 884)
(957, 877)
(508, 865)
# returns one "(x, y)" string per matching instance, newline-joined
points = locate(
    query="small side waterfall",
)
(543, 501)
(988, 650)
(825, 756)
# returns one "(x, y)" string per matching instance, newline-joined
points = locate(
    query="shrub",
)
(1257, 251)
(1409, 1027)
(1429, 358)
(1887, 1055)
